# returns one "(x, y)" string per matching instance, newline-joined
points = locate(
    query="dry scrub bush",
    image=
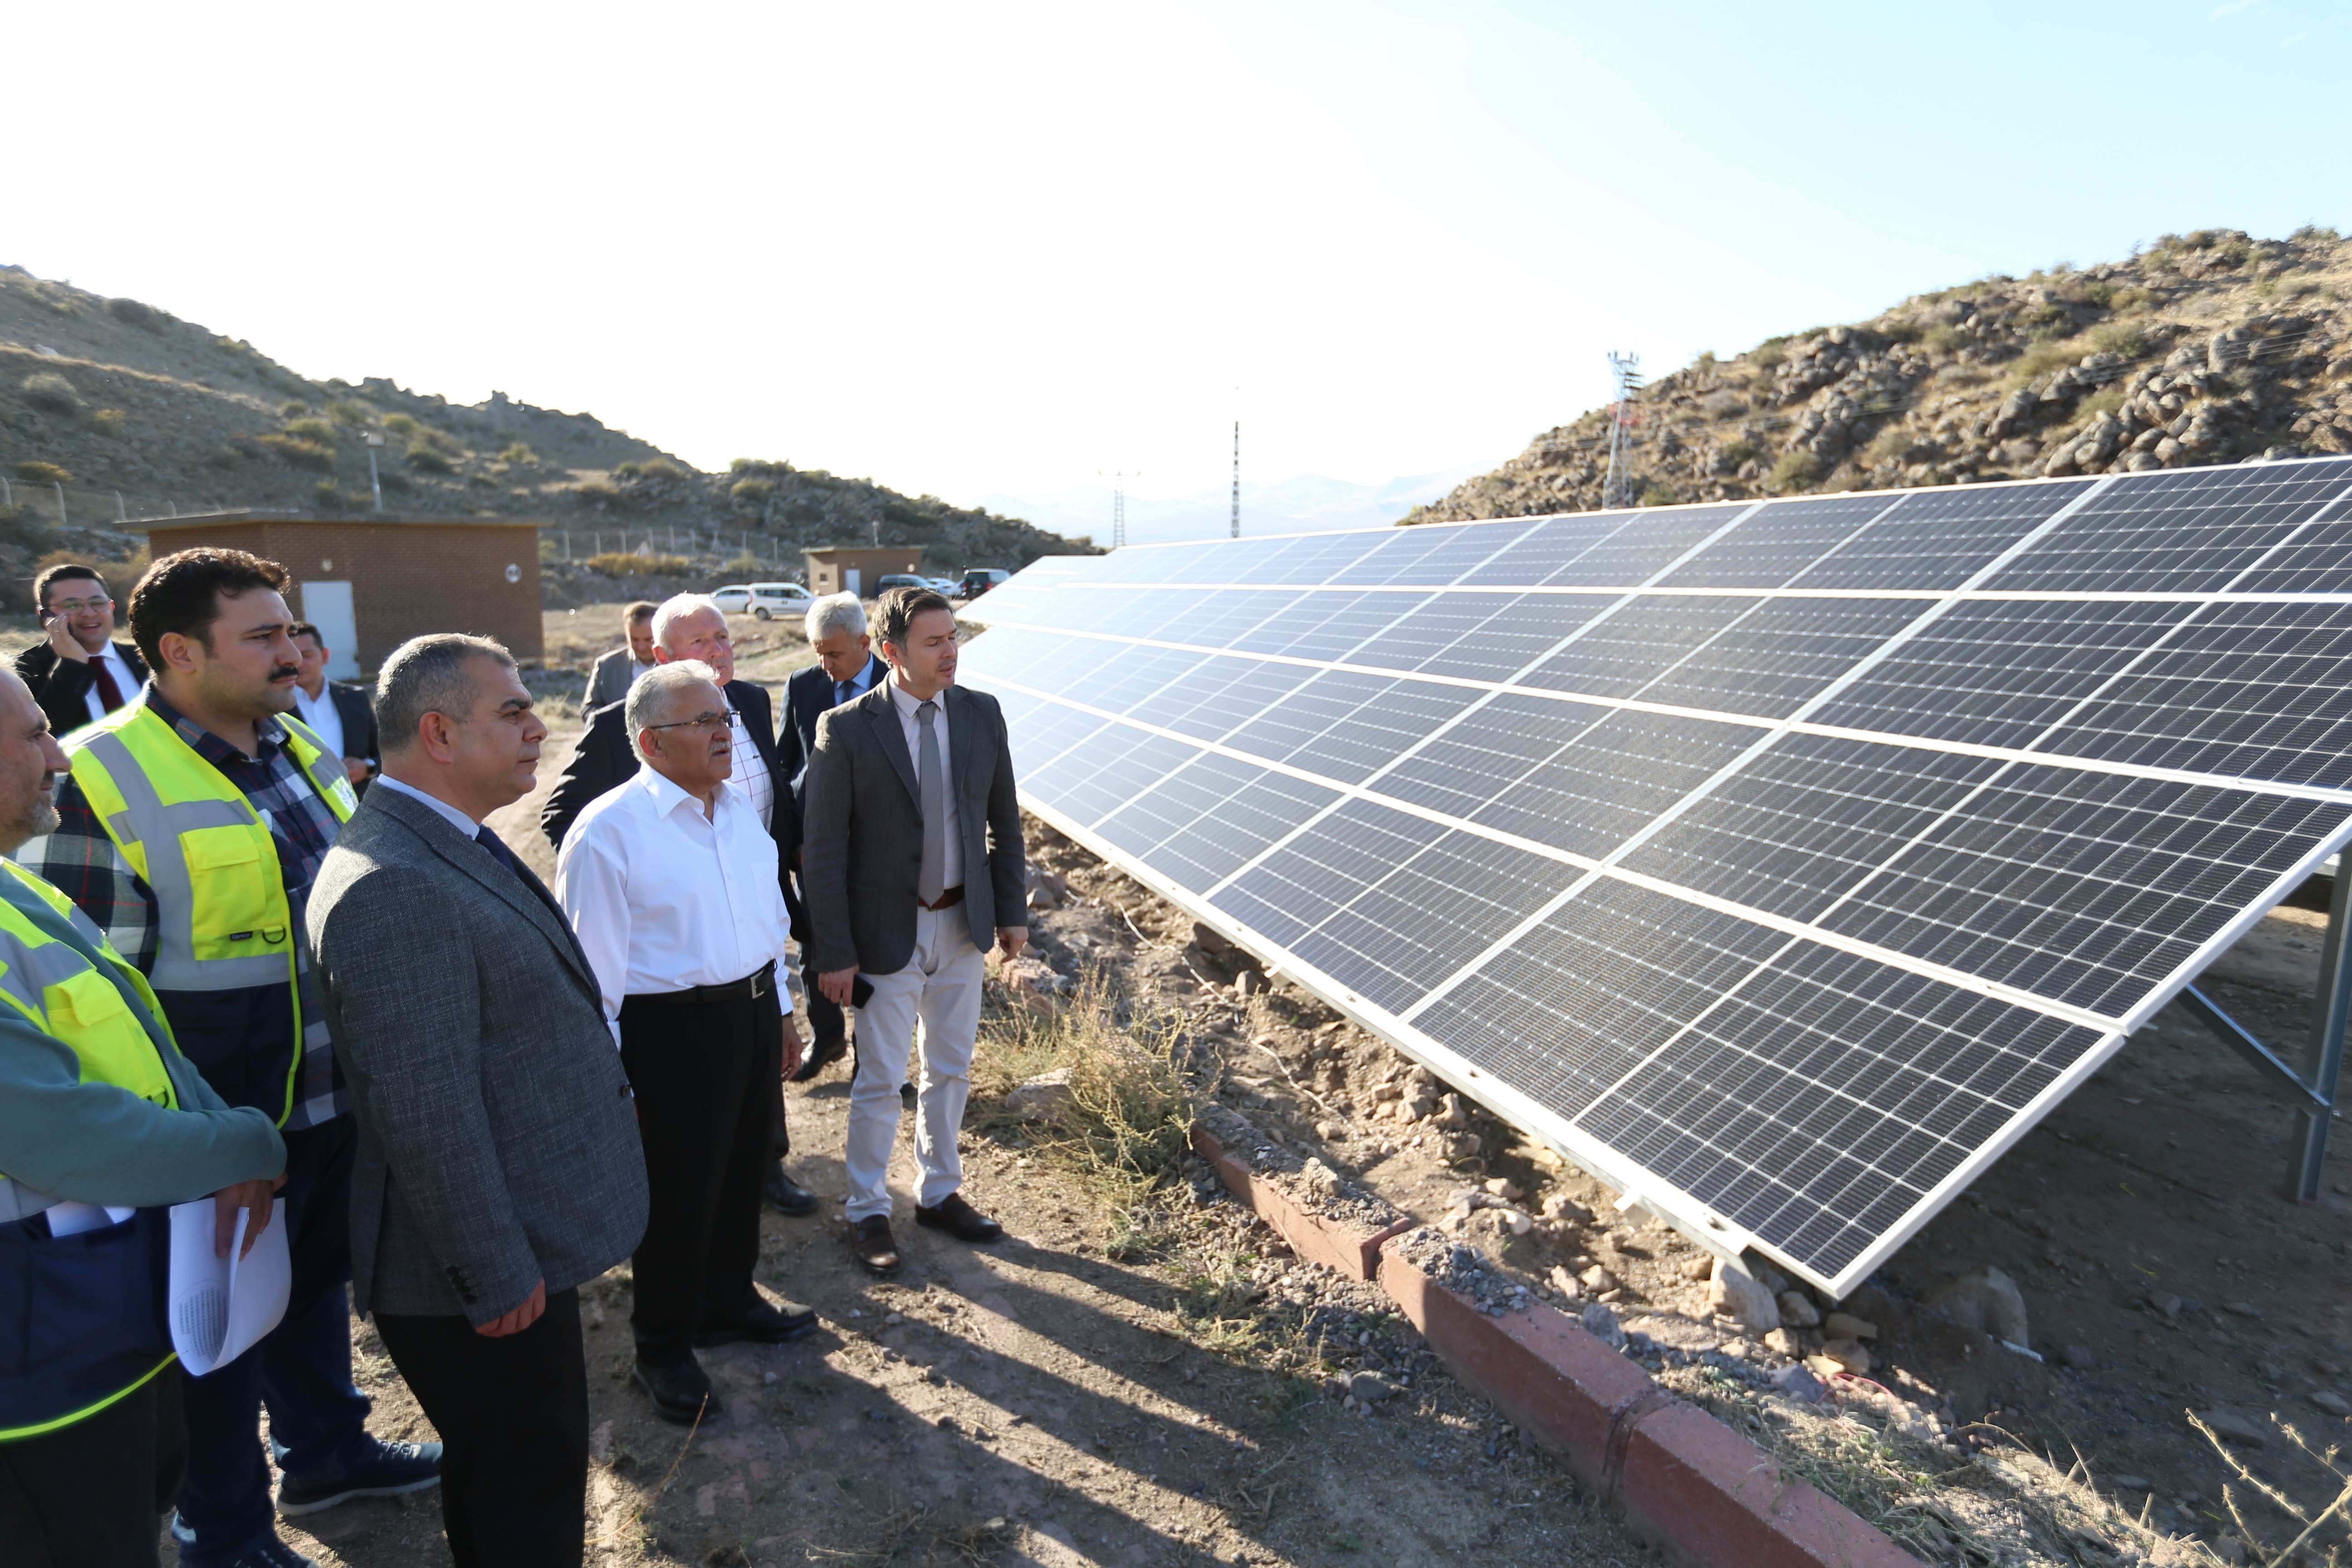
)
(299, 452)
(50, 391)
(42, 473)
(422, 455)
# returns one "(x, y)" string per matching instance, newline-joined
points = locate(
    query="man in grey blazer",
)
(499, 1167)
(610, 677)
(912, 863)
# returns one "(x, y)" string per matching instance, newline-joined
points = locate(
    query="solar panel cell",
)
(1938, 538)
(1999, 673)
(1780, 653)
(2089, 888)
(1593, 793)
(2191, 532)
(1617, 654)
(1778, 543)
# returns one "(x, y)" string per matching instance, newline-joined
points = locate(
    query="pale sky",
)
(962, 249)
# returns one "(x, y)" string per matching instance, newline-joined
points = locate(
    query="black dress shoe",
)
(680, 1389)
(907, 1095)
(787, 1196)
(959, 1219)
(821, 1054)
(871, 1238)
(762, 1325)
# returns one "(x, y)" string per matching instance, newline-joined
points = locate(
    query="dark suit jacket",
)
(605, 758)
(497, 1141)
(808, 695)
(865, 827)
(61, 686)
(356, 707)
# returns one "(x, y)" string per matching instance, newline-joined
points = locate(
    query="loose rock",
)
(1846, 1326)
(1797, 1310)
(2331, 1402)
(1733, 1293)
(1987, 1300)
(2233, 1427)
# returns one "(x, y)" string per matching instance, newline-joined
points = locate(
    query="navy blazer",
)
(807, 697)
(604, 760)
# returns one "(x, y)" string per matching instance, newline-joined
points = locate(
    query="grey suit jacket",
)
(497, 1140)
(862, 830)
(609, 678)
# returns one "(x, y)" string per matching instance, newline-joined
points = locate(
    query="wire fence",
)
(759, 552)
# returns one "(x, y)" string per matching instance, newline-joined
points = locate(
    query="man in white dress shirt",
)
(341, 715)
(671, 882)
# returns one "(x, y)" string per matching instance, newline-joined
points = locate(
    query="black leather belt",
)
(948, 900)
(758, 983)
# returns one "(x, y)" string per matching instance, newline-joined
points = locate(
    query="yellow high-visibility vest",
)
(101, 1356)
(223, 921)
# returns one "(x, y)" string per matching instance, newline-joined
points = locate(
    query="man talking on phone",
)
(81, 672)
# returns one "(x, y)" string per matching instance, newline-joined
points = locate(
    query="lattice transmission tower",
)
(1625, 374)
(1119, 505)
(1237, 479)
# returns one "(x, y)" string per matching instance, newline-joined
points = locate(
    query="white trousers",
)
(940, 988)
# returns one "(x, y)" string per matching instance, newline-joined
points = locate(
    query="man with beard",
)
(190, 831)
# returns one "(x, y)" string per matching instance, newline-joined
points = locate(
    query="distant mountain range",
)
(1282, 506)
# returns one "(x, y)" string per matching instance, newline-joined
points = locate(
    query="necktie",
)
(843, 691)
(506, 857)
(109, 691)
(932, 881)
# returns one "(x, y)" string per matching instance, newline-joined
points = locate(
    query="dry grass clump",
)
(42, 473)
(617, 563)
(1121, 1115)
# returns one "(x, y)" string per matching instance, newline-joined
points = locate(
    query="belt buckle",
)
(761, 983)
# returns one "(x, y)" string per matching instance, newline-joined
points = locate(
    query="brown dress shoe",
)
(959, 1219)
(871, 1238)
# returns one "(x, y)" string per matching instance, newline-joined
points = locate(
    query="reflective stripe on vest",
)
(62, 995)
(222, 919)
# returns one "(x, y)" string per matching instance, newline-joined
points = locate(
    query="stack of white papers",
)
(220, 1306)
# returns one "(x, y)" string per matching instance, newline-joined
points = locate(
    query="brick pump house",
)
(371, 582)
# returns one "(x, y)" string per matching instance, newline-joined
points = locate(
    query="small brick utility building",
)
(371, 582)
(857, 570)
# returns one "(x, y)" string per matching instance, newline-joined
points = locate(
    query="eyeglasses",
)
(723, 720)
(76, 606)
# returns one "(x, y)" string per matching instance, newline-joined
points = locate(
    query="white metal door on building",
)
(327, 606)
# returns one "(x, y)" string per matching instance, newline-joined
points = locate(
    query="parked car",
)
(979, 580)
(779, 599)
(945, 587)
(762, 600)
(889, 580)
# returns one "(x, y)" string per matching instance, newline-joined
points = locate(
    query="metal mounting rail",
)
(2311, 1089)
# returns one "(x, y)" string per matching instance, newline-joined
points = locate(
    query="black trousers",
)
(828, 1033)
(512, 1413)
(705, 1076)
(93, 1495)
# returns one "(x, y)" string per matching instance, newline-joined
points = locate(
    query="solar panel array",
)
(1781, 863)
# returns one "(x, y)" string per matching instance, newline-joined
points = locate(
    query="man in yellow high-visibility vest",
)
(103, 1124)
(190, 831)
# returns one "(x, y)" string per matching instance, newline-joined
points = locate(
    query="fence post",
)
(119, 515)
(61, 502)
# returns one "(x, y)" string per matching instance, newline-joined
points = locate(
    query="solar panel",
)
(1780, 863)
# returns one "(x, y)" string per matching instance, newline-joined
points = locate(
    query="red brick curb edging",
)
(1353, 1253)
(1684, 1479)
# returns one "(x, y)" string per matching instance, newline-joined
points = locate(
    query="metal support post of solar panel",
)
(1780, 863)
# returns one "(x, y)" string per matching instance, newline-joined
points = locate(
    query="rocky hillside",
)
(114, 409)
(2204, 348)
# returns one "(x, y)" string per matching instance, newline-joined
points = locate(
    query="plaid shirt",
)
(81, 861)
